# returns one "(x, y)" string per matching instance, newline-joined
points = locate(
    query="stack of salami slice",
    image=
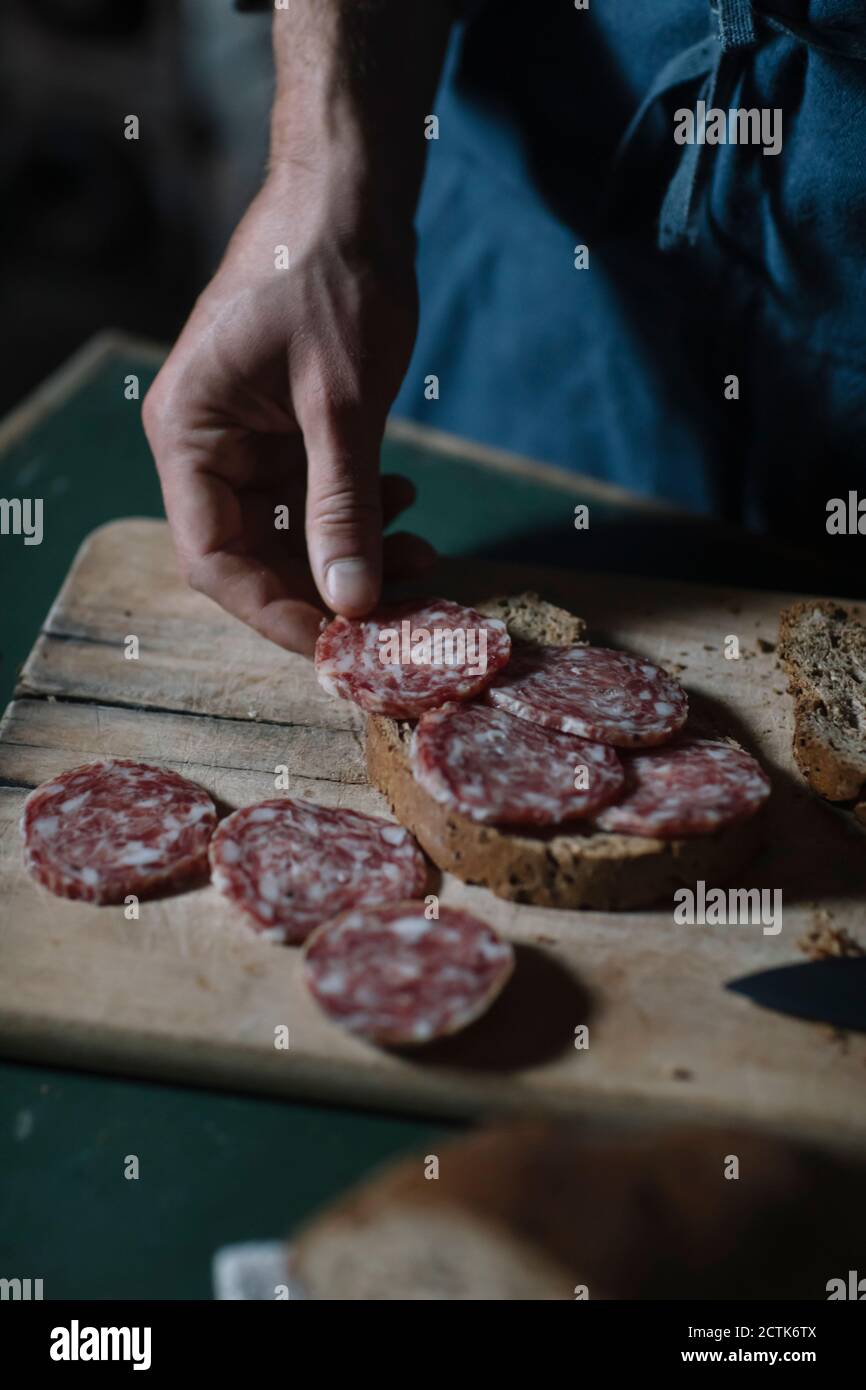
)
(544, 735)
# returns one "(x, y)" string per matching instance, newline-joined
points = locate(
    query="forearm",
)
(355, 80)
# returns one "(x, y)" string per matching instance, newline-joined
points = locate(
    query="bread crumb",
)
(823, 940)
(839, 1036)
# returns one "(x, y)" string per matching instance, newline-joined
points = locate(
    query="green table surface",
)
(217, 1168)
(214, 1168)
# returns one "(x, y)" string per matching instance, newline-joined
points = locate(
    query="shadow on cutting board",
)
(532, 1021)
(694, 550)
(811, 851)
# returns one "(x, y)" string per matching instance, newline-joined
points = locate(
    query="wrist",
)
(354, 83)
(363, 195)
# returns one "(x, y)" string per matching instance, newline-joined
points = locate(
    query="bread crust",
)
(532, 1210)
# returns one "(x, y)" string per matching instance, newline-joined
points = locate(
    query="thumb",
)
(344, 515)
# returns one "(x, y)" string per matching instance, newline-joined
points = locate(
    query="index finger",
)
(206, 522)
(255, 593)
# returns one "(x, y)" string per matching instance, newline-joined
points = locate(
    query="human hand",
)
(275, 396)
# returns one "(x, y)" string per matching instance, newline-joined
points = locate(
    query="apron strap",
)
(715, 61)
(677, 221)
(736, 23)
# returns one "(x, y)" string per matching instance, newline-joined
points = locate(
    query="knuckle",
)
(162, 410)
(341, 510)
(340, 417)
(152, 405)
(344, 406)
(335, 389)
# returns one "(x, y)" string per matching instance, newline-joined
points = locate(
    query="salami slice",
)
(292, 864)
(412, 657)
(493, 768)
(608, 696)
(111, 829)
(692, 787)
(391, 975)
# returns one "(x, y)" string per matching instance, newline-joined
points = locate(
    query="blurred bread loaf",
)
(540, 1211)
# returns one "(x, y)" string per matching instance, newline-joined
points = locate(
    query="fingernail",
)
(350, 584)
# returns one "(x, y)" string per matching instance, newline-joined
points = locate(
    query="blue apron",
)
(705, 261)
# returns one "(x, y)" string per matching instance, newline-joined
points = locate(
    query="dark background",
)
(98, 231)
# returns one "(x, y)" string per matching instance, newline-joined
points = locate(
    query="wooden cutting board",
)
(189, 992)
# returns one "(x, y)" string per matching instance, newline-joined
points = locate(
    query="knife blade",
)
(826, 991)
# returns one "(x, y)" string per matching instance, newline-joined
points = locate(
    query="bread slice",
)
(542, 1211)
(574, 868)
(822, 648)
(532, 619)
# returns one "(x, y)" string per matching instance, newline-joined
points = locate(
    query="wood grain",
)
(188, 992)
